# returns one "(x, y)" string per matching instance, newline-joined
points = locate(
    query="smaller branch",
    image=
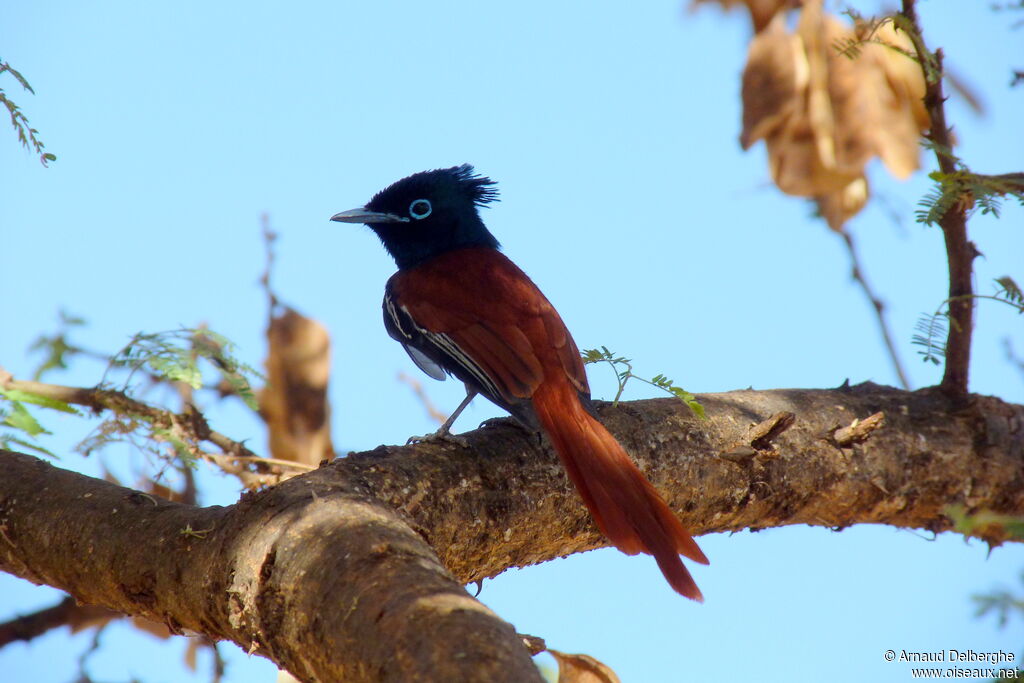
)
(83, 659)
(67, 612)
(26, 133)
(1015, 181)
(960, 252)
(1012, 358)
(234, 451)
(421, 394)
(259, 459)
(269, 237)
(219, 665)
(879, 306)
(191, 422)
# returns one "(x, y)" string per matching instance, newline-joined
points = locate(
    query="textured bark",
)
(323, 580)
(498, 504)
(325, 575)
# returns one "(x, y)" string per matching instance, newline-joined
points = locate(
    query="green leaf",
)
(36, 399)
(174, 355)
(1011, 292)
(7, 441)
(625, 374)
(177, 369)
(20, 418)
(241, 386)
(180, 447)
(930, 331)
(4, 66)
(697, 408)
(983, 522)
(69, 319)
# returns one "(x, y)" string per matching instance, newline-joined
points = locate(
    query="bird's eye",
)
(420, 209)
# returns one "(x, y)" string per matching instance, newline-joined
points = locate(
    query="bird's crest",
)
(482, 189)
(458, 180)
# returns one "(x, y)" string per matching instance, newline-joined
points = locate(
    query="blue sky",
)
(612, 131)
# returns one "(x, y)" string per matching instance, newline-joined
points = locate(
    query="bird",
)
(460, 307)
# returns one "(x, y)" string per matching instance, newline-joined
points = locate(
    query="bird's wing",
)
(402, 330)
(474, 313)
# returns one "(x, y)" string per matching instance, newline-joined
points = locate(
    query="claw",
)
(495, 422)
(505, 421)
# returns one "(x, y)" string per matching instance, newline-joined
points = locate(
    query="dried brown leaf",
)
(190, 654)
(773, 79)
(153, 628)
(852, 94)
(294, 403)
(573, 668)
(839, 206)
(90, 616)
(806, 156)
(824, 114)
(899, 89)
(162, 490)
(812, 29)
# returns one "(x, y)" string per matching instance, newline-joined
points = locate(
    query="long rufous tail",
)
(625, 506)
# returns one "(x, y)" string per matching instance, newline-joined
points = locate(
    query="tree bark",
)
(352, 572)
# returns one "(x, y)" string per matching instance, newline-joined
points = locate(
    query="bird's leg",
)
(470, 395)
(444, 433)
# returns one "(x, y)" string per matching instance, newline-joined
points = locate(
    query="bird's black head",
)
(428, 213)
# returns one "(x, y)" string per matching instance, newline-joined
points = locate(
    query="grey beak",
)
(366, 216)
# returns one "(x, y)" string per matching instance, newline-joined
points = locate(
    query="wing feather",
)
(499, 322)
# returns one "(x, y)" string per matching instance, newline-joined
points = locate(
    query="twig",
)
(268, 461)
(421, 394)
(759, 439)
(219, 665)
(533, 644)
(883, 325)
(1012, 357)
(269, 237)
(858, 431)
(960, 252)
(191, 421)
(94, 646)
(762, 435)
(26, 133)
(67, 612)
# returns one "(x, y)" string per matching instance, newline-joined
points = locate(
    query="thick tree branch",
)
(324, 575)
(320, 578)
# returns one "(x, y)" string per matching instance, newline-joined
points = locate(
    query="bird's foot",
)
(512, 422)
(440, 436)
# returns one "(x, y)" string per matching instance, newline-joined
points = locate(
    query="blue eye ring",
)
(420, 209)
